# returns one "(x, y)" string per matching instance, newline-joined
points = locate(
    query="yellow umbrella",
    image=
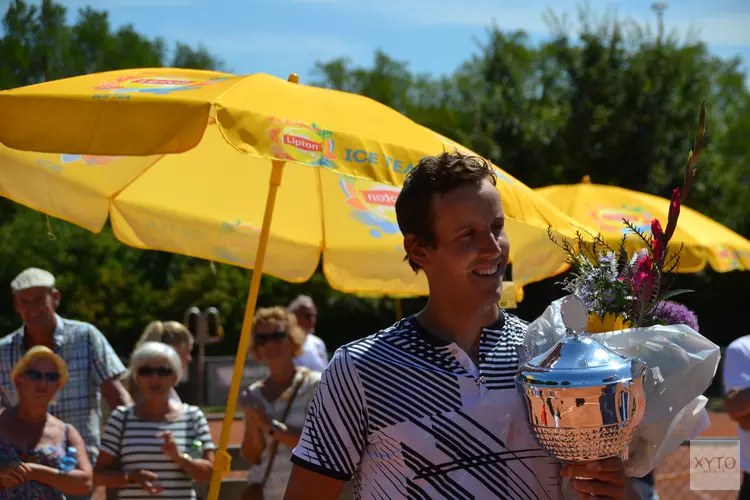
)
(209, 201)
(604, 208)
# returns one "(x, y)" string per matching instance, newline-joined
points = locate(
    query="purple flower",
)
(674, 313)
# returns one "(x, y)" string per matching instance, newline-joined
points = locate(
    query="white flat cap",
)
(32, 278)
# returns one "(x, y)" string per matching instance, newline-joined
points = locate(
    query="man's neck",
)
(452, 324)
(33, 336)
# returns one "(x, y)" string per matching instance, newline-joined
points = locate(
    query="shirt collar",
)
(436, 341)
(58, 336)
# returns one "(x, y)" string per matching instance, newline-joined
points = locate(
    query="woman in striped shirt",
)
(158, 447)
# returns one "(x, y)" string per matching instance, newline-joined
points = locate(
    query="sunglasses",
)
(159, 371)
(37, 376)
(308, 315)
(262, 338)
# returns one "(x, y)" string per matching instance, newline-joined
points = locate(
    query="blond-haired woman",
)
(175, 335)
(41, 457)
(275, 407)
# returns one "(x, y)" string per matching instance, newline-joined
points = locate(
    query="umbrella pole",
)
(223, 460)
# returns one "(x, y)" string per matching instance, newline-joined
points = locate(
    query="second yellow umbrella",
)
(604, 208)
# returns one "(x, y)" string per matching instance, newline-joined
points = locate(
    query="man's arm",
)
(334, 437)
(736, 374)
(302, 481)
(115, 394)
(107, 370)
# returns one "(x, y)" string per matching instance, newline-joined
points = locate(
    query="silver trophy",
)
(583, 401)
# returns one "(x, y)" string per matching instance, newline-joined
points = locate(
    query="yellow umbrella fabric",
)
(211, 201)
(603, 208)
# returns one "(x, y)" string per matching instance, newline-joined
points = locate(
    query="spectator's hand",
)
(600, 479)
(254, 409)
(169, 448)
(147, 480)
(13, 474)
(744, 422)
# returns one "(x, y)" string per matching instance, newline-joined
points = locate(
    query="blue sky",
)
(435, 36)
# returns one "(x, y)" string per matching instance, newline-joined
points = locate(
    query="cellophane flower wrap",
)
(627, 295)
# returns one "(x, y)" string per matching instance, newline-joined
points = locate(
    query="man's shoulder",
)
(509, 327)
(77, 325)
(314, 340)
(8, 340)
(389, 337)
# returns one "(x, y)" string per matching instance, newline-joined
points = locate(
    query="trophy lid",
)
(577, 360)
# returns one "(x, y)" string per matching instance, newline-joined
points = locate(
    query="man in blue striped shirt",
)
(94, 367)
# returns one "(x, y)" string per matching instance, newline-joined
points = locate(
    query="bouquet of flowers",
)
(622, 290)
(627, 297)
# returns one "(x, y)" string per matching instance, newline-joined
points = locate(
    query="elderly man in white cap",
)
(314, 355)
(94, 367)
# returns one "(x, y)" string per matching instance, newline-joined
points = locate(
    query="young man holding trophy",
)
(428, 408)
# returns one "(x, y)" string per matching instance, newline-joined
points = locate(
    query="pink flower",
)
(657, 243)
(674, 214)
(656, 229)
(642, 280)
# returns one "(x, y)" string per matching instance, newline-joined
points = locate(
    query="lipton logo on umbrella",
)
(152, 83)
(374, 206)
(611, 218)
(296, 141)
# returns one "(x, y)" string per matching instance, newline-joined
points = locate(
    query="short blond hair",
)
(171, 333)
(40, 352)
(282, 318)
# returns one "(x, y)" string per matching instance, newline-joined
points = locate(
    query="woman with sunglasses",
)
(41, 457)
(175, 335)
(275, 407)
(159, 446)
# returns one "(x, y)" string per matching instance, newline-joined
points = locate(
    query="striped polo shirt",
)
(406, 415)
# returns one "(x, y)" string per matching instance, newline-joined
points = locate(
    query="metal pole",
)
(201, 338)
(659, 8)
(209, 312)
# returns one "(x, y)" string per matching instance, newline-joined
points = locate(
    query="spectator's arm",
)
(75, 482)
(200, 469)
(736, 374)
(107, 370)
(334, 436)
(105, 476)
(104, 473)
(737, 403)
(115, 394)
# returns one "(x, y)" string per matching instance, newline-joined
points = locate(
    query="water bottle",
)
(69, 461)
(196, 449)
